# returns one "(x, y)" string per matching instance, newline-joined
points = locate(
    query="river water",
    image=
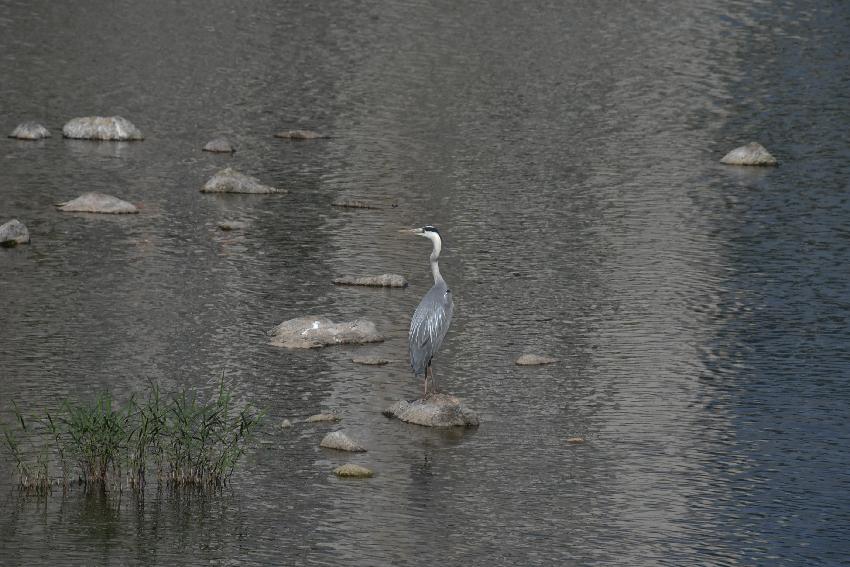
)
(568, 151)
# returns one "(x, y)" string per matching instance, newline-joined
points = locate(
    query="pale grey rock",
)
(30, 131)
(300, 135)
(436, 410)
(314, 332)
(751, 154)
(534, 360)
(97, 203)
(230, 181)
(341, 442)
(355, 204)
(232, 225)
(350, 470)
(13, 233)
(220, 145)
(108, 128)
(383, 280)
(285, 424)
(370, 360)
(322, 417)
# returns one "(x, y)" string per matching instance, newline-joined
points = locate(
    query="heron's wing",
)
(429, 326)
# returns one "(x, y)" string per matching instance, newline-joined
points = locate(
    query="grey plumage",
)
(433, 315)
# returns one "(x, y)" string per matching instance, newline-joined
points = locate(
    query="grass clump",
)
(179, 438)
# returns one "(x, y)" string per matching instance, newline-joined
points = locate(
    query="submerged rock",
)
(219, 145)
(350, 470)
(534, 359)
(232, 225)
(320, 417)
(575, 440)
(300, 135)
(370, 360)
(751, 154)
(13, 233)
(314, 332)
(436, 410)
(110, 128)
(30, 131)
(384, 280)
(341, 442)
(230, 181)
(285, 424)
(355, 204)
(97, 203)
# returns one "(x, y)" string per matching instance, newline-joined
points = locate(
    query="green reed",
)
(182, 439)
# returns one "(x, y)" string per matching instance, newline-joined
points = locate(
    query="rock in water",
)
(350, 470)
(13, 233)
(341, 442)
(370, 360)
(300, 135)
(30, 131)
(384, 280)
(314, 332)
(751, 154)
(97, 203)
(436, 410)
(110, 128)
(355, 204)
(534, 359)
(232, 225)
(320, 417)
(230, 181)
(219, 145)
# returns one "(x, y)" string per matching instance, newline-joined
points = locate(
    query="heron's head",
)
(428, 231)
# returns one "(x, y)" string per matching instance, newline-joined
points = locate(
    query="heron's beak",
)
(411, 231)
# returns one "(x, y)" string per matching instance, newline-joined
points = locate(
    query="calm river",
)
(569, 152)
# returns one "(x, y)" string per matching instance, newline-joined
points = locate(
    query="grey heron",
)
(433, 315)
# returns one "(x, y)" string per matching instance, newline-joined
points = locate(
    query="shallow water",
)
(568, 153)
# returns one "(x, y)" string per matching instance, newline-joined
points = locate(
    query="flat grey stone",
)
(232, 225)
(230, 181)
(534, 359)
(322, 417)
(314, 332)
(350, 470)
(108, 128)
(341, 442)
(97, 203)
(30, 131)
(219, 145)
(355, 204)
(300, 135)
(383, 280)
(436, 410)
(370, 360)
(13, 233)
(751, 154)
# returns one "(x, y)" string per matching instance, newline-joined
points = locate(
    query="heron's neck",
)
(435, 255)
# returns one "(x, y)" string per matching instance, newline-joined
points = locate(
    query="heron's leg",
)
(435, 388)
(425, 394)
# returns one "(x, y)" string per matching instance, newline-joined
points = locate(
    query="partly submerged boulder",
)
(13, 233)
(300, 135)
(230, 181)
(370, 360)
(534, 359)
(355, 204)
(232, 225)
(314, 332)
(350, 470)
(30, 131)
(220, 145)
(435, 410)
(383, 280)
(751, 154)
(341, 442)
(97, 203)
(324, 416)
(110, 128)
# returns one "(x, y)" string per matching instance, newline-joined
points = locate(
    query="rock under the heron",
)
(751, 154)
(320, 417)
(341, 442)
(230, 181)
(13, 233)
(436, 410)
(370, 360)
(300, 135)
(97, 203)
(355, 204)
(383, 280)
(314, 332)
(30, 131)
(232, 225)
(109, 128)
(534, 359)
(220, 145)
(350, 470)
